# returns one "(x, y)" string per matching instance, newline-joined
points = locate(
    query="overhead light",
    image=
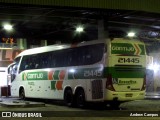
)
(131, 34)
(79, 29)
(8, 27)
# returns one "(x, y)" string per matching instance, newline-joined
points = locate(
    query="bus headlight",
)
(155, 67)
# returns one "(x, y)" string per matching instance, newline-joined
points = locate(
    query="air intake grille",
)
(97, 91)
(128, 68)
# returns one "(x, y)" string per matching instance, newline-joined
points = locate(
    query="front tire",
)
(22, 94)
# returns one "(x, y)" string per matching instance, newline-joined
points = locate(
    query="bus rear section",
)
(126, 71)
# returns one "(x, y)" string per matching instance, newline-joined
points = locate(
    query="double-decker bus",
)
(94, 71)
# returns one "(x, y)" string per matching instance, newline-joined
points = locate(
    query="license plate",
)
(129, 95)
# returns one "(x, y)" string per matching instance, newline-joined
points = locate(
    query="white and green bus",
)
(94, 71)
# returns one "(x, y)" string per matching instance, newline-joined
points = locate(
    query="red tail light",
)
(109, 84)
(144, 83)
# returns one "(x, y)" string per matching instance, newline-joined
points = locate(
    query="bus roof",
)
(43, 49)
(56, 47)
(65, 46)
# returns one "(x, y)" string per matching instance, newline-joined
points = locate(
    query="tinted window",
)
(84, 55)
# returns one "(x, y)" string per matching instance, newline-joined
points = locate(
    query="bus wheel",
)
(68, 97)
(80, 98)
(22, 93)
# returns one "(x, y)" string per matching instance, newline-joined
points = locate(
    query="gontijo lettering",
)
(35, 75)
(123, 48)
(126, 48)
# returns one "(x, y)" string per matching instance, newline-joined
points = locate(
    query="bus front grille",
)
(97, 89)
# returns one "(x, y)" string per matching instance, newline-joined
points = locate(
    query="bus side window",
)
(53, 61)
(26, 67)
(77, 56)
(36, 66)
(39, 61)
(69, 58)
(24, 64)
(49, 60)
(74, 57)
(43, 60)
(12, 71)
(98, 54)
(9, 70)
(84, 55)
(90, 54)
(81, 56)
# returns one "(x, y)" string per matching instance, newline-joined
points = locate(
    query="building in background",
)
(8, 52)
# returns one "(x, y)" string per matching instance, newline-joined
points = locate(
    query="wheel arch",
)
(77, 88)
(21, 87)
(22, 93)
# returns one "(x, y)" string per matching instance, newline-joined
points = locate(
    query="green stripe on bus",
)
(89, 73)
(123, 72)
(86, 73)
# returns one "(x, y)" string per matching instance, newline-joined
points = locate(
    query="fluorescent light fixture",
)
(8, 27)
(79, 29)
(131, 34)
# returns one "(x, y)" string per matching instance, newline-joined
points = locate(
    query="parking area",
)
(150, 103)
(40, 109)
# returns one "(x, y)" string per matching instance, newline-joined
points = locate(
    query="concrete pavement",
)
(16, 102)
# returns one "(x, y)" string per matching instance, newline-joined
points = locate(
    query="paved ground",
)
(150, 105)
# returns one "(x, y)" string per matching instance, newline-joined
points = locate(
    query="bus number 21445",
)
(92, 73)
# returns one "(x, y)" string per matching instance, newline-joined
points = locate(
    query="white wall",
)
(3, 76)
